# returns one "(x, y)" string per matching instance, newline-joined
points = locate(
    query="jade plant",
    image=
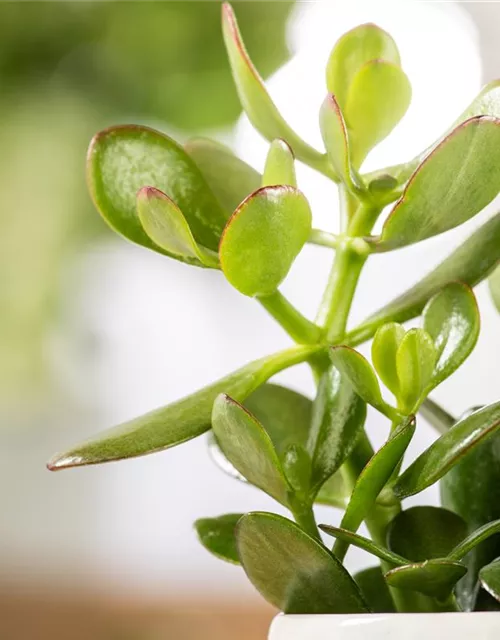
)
(202, 205)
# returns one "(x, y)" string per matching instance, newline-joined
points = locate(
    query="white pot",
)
(402, 626)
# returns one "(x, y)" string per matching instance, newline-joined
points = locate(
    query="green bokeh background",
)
(68, 69)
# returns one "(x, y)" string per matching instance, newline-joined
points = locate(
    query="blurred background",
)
(94, 330)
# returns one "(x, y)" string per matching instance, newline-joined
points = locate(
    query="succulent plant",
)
(202, 205)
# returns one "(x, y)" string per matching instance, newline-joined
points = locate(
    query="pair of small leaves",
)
(413, 363)
(370, 93)
(454, 183)
(177, 422)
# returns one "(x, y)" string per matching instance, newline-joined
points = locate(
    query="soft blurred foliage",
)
(68, 69)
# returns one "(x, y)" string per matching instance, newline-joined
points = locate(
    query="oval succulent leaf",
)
(415, 360)
(375, 590)
(337, 420)
(472, 489)
(494, 286)
(378, 97)
(449, 449)
(336, 139)
(424, 533)
(451, 318)
(167, 227)
(364, 543)
(297, 468)
(356, 368)
(263, 238)
(254, 97)
(291, 570)
(248, 447)
(373, 479)
(353, 50)
(435, 578)
(218, 535)
(489, 576)
(230, 178)
(177, 422)
(121, 160)
(280, 165)
(470, 264)
(454, 183)
(384, 348)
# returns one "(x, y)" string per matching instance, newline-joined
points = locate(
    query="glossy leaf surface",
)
(230, 178)
(451, 318)
(470, 264)
(415, 360)
(364, 543)
(263, 238)
(472, 489)
(489, 577)
(474, 539)
(356, 368)
(373, 478)
(338, 418)
(424, 533)
(218, 535)
(254, 97)
(435, 578)
(248, 447)
(378, 97)
(336, 139)
(165, 224)
(291, 570)
(177, 422)
(454, 183)
(384, 348)
(121, 160)
(445, 452)
(354, 49)
(280, 165)
(374, 590)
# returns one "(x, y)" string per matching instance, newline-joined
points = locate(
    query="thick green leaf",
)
(354, 49)
(255, 99)
(337, 420)
(494, 286)
(425, 533)
(415, 360)
(218, 535)
(474, 539)
(262, 239)
(167, 227)
(356, 368)
(489, 576)
(454, 183)
(470, 263)
(435, 578)
(384, 348)
(472, 489)
(373, 478)
(121, 160)
(180, 421)
(298, 468)
(248, 447)
(364, 543)
(230, 178)
(335, 137)
(378, 97)
(451, 318)
(280, 166)
(449, 449)
(293, 571)
(284, 414)
(374, 589)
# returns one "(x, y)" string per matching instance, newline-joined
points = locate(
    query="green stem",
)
(323, 238)
(440, 419)
(288, 358)
(304, 517)
(298, 327)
